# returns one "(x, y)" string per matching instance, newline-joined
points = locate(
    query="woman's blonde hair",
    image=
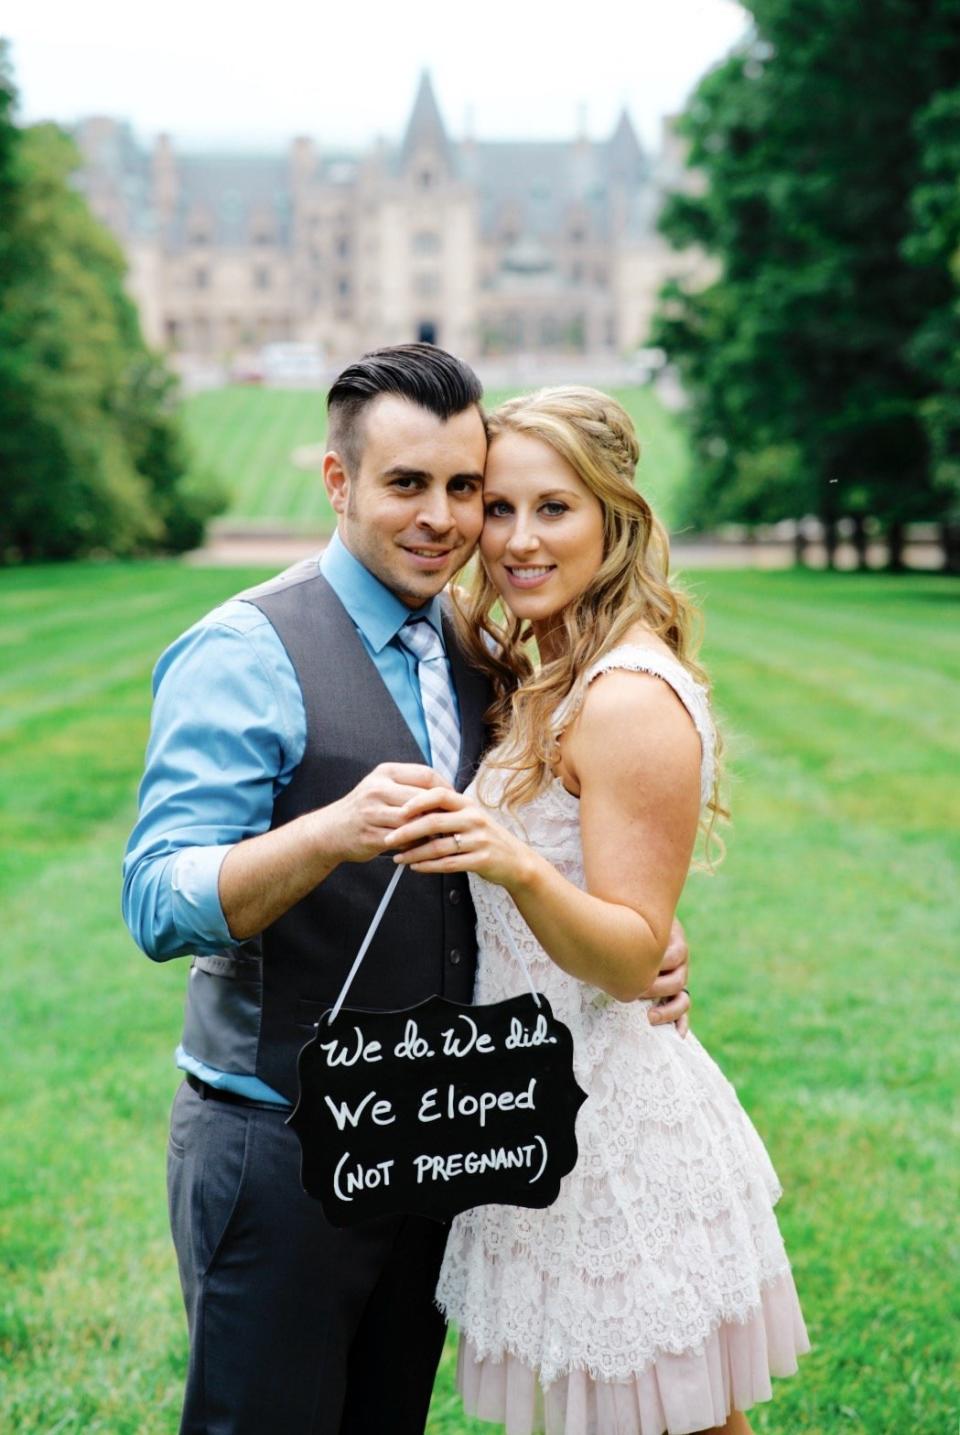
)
(597, 438)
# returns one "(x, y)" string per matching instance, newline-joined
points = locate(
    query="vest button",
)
(455, 957)
(454, 895)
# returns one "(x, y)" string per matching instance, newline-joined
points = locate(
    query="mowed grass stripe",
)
(891, 642)
(296, 490)
(65, 657)
(899, 712)
(222, 431)
(270, 455)
(57, 631)
(266, 447)
(72, 741)
(833, 745)
(71, 679)
(248, 435)
(51, 600)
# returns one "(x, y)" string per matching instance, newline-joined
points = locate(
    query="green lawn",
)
(823, 974)
(247, 436)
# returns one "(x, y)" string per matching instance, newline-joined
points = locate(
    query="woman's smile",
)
(529, 577)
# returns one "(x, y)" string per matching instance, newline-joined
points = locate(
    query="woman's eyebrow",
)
(489, 492)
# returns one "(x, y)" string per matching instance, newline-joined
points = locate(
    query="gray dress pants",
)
(296, 1328)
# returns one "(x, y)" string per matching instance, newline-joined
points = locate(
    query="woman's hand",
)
(671, 999)
(456, 834)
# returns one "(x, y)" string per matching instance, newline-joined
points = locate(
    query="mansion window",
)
(261, 277)
(201, 279)
(426, 241)
(343, 247)
(343, 287)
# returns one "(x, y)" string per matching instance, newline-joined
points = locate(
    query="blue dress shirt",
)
(227, 733)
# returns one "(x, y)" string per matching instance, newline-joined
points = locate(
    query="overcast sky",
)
(209, 72)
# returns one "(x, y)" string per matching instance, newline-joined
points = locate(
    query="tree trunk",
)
(950, 543)
(799, 546)
(896, 538)
(830, 541)
(859, 539)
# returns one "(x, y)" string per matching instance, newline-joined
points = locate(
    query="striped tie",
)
(436, 693)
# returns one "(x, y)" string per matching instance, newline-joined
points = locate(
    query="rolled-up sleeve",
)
(228, 731)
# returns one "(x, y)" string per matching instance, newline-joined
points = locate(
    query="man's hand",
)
(262, 877)
(669, 990)
(363, 821)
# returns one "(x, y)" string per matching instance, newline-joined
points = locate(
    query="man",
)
(294, 730)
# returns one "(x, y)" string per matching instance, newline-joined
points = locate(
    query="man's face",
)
(413, 510)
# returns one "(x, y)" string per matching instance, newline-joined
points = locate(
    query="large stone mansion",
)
(486, 248)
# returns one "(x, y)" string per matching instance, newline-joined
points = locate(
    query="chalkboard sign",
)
(436, 1109)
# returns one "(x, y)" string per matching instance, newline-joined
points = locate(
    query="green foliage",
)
(90, 447)
(806, 391)
(934, 240)
(823, 965)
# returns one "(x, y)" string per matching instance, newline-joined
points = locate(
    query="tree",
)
(805, 391)
(935, 240)
(90, 449)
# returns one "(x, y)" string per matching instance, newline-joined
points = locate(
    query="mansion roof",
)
(522, 190)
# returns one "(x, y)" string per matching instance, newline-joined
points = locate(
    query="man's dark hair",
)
(422, 373)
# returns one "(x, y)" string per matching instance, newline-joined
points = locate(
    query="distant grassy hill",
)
(248, 435)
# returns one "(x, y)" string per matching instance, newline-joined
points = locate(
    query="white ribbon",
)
(371, 933)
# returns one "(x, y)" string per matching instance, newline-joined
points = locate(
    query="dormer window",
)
(425, 178)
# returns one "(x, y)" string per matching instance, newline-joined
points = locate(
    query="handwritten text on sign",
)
(436, 1109)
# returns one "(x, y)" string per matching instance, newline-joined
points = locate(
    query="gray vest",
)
(251, 1007)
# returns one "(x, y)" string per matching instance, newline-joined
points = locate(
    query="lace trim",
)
(615, 1328)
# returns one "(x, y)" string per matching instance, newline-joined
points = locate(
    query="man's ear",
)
(336, 481)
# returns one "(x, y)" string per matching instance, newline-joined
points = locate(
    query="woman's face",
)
(542, 539)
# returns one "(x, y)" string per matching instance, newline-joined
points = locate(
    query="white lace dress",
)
(655, 1294)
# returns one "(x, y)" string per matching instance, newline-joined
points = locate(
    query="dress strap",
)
(635, 658)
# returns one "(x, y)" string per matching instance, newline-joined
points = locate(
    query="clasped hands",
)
(412, 812)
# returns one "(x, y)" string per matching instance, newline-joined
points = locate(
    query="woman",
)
(655, 1294)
